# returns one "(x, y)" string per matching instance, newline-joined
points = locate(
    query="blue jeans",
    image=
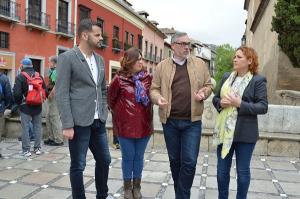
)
(31, 134)
(182, 138)
(93, 137)
(133, 156)
(34, 122)
(243, 154)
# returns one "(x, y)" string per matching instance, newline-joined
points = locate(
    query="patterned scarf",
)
(140, 91)
(226, 119)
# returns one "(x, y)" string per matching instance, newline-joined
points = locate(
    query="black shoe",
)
(116, 145)
(48, 142)
(19, 138)
(56, 144)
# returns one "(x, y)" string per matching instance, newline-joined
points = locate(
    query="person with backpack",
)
(5, 101)
(15, 111)
(29, 93)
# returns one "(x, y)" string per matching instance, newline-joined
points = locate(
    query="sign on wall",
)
(6, 61)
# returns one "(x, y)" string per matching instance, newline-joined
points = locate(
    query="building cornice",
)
(155, 29)
(147, 22)
(116, 6)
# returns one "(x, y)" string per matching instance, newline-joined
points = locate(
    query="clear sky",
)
(210, 21)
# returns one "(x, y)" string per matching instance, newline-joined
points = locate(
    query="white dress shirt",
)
(91, 61)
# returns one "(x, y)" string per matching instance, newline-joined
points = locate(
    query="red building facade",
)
(118, 33)
(36, 29)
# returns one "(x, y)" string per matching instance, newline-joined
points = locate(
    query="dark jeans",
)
(243, 154)
(133, 151)
(182, 138)
(93, 137)
(28, 121)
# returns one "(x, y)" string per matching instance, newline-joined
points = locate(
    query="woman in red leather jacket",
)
(129, 101)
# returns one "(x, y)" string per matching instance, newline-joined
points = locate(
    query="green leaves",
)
(224, 59)
(287, 24)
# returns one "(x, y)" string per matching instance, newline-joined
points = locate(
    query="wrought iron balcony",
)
(64, 28)
(151, 57)
(126, 46)
(9, 10)
(104, 42)
(157, 59)
(147, 56)
(37, 19)
(116, 45)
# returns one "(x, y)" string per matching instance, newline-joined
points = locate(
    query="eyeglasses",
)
(183, 44)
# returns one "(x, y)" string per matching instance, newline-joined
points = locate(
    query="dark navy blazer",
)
(254, 102)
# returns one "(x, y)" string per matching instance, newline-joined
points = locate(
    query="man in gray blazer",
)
(81, 100)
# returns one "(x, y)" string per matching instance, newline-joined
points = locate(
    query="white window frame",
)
(113, 65)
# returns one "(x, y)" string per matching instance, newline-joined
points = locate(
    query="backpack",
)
(36, 94)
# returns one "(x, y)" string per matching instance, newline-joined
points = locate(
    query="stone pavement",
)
(46, 175)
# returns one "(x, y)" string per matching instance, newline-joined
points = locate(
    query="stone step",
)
(273, 144)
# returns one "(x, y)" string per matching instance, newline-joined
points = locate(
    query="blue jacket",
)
(5, 93)
(254, 102)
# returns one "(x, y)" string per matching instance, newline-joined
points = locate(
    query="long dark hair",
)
(131, 56)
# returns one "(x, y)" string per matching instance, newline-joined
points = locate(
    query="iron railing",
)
(37, 18)
(10, 10)
(65, 27)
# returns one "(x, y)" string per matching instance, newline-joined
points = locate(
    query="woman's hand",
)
(225, 103)
(234, 99)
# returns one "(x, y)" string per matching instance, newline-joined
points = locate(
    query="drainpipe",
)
(75, 24)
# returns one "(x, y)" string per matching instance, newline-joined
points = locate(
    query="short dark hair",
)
(86, 25)
(53, 59)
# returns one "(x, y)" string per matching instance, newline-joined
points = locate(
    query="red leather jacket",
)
(130, 118)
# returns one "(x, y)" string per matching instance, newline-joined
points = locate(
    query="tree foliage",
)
(224, 62)
(287, 24)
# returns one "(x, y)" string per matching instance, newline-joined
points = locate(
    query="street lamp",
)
(243, 40)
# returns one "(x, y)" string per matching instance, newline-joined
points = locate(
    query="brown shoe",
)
(137, 188)
(128, 189)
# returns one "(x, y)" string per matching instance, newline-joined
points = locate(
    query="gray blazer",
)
(76, 91)
(254, 102)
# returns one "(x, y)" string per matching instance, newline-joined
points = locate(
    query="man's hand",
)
(162, 102)
(200, 95)
(51, 95)
(68, 133)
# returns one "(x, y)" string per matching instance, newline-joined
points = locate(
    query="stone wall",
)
(279, 130)
(274, 64)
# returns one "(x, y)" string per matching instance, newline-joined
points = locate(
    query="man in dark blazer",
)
(81, 100)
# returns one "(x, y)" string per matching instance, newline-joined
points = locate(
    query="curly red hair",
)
(250, 54)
